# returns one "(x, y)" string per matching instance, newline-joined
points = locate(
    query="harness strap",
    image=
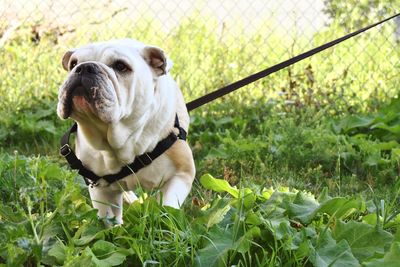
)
(140, 161)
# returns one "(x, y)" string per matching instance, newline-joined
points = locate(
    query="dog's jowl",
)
(127, 107)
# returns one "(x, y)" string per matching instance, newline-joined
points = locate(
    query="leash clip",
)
(65, 150)
(90, 183)
(93, 184)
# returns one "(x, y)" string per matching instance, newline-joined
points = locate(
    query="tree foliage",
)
(356, 14)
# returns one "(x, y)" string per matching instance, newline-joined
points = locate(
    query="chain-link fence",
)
(228, 39)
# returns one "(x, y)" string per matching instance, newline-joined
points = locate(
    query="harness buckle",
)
(65, 150)
(89, 182)
(93, 184)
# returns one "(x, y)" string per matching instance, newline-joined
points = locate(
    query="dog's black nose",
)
(87, 68)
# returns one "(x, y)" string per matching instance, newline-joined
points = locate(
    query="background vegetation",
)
(307, 159)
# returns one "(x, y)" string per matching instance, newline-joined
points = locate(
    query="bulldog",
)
(125, 103)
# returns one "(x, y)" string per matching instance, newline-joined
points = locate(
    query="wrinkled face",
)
(107, 80)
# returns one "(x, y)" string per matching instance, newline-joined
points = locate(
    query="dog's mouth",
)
(88, 92)
(79, 93)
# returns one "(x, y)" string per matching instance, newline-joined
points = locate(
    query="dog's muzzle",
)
(86, 80)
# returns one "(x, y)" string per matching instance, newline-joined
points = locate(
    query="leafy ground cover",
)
(307, 162)
(241, 226)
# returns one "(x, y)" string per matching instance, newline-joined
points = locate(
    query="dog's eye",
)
(120, 66)
(73, 64)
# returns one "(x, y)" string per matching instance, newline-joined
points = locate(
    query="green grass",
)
(307, 158)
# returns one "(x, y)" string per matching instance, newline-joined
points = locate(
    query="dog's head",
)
(108, 80)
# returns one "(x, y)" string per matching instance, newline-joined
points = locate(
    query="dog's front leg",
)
(108, 202)
(176, 189)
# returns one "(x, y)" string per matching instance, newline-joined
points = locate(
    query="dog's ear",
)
(66, 57)
(157, 59)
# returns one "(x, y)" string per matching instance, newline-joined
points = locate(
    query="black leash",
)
(254, 77)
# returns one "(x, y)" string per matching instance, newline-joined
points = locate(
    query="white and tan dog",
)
(124, 102)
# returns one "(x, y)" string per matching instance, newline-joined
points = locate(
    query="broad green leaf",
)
(340, 207)
(365, 240)
(82, 260)
(280, 199)
(332, 254)
(253, 218)
(52, 171)
(217, 153)
(216, 213)
(393, 129)
(102, 247)
(351, 122)
(375, 160)
(390, 259)
(396, 153)
(323, 196)
(221, 242)
(112, 258)
(115, 259)
(386, 145)
(244, 242)
(267, 192)
(218, 185)
(371, 219)
(87, 235)
(216, 252)
(58, 252)
(303, 207)
(282, 228)
(249, 198)
(397, 234)
(303, 249)
(15, 256)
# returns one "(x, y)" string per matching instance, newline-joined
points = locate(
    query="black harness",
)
(140, 161)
